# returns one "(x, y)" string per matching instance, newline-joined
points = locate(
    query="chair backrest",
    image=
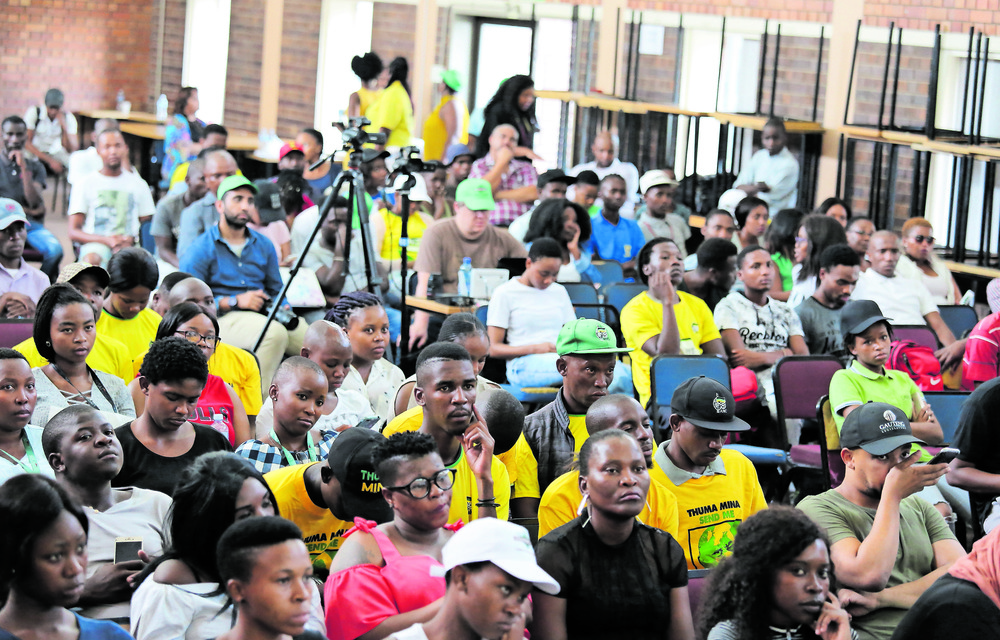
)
(918, 333)
(697, 578)
(947, 406)
(581, 292)
(960, 318)
(14, 332)
(829, 440)
(668, 372)
(618, 295)
(482, 311)
(799, 383)
(611, 271)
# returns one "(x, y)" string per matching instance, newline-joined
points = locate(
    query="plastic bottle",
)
(161, 107)
(219, 424)
(465, 277)
(120, 99)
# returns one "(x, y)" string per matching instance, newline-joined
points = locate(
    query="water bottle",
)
(120, 99)
(161, 107)
(465, 277)
(219, 424)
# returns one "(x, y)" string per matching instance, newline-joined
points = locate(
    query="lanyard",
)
(289, 458)
(29, 463)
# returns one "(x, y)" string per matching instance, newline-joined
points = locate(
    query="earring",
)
(48, 344)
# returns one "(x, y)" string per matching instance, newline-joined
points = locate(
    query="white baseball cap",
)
(503, 543)
(418, 193)
(729, 199)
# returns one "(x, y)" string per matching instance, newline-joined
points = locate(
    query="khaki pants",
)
(241, 328)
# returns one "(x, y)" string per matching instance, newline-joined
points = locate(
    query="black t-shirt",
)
(979, 439)
(149, 470)
(614, 592)
(951, 608)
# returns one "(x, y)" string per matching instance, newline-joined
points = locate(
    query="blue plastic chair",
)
(581, 292)
(619, 294)
(947, 406)
(481, 312)
(611, 271)
(668, 372)
(960, 318)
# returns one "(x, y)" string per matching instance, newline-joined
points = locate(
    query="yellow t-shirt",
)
(711, 507)
(563, 497)
(321, 530)
(642, 318)
(509, 459)
(394, 111)
(464, 494)
(135, 334)
(367, 98)
(394, 232)
(108, 355)
(436, 134)
(526, 485)
(409, 420)
(236, 367)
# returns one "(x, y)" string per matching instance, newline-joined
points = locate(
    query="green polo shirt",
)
(858, 385)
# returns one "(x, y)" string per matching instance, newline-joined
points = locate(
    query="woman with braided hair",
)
(777, 584)
(363, 317)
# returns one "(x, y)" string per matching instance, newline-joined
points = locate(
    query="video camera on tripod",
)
(410, 162)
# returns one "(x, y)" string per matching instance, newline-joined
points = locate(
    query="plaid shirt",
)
(267, 458)
(519, 174)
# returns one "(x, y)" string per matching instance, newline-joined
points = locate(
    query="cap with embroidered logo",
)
(708, 404)
(585, 336)
(877, 427)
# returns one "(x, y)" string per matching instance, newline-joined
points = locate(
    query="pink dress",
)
(358, 599)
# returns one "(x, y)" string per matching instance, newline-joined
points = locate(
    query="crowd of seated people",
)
(175, 465)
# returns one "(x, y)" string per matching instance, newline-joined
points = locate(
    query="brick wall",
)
(392, 31)
(954, 15)
(88, 49)
(299, 56)
(656, 73)
(443, 36)
(175, 17)
(246, 42)
(796, 77)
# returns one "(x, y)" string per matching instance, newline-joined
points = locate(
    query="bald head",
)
(104, 124)
(624, 413)
(604, 148)
(219, 165)
(328, 346)
(192, 290)
(64, 422)
(296, 366)
(324, 332)
(504, 416)
(503, 135)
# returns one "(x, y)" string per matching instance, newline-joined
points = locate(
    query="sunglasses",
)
(922, 239)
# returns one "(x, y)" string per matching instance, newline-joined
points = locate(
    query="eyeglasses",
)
(799, 239)
(195, 337)
(420, 488)
(922, 239)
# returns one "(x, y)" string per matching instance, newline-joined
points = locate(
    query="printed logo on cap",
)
(602, 334)
(719, 404)
(889, 415)
(370, 482)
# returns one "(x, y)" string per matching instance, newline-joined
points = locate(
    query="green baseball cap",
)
(234, 182)
(587, 336)
(451, 78)
(476, 194)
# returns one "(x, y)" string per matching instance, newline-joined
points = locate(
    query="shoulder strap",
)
(389, 551)
(102, 389)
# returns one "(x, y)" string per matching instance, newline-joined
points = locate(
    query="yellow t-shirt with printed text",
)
(711, 507)
(321, 530)
(526, 485)
(642, 318)
(562, 499)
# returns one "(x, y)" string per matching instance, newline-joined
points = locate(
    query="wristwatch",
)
(232, 302)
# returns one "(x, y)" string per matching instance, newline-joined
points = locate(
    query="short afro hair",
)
(407, 444)
(244, 538)
(172, 360)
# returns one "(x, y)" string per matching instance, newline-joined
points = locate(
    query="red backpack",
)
(918, 362)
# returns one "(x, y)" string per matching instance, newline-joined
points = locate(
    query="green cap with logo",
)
(476, 194)
(585, 336)
(234, 182)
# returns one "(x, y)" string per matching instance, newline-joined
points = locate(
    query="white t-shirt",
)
(7, 467)
(143, 516)
(530, 315)
(416, 632)
(800, 290)
(780, 172)
(48, 133)
(905, 301)
(112, 205)
(627, 171)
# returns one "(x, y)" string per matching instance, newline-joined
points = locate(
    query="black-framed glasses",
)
(420, 488)
(195, 337)
(923, 239)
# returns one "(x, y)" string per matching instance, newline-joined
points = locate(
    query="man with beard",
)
(839, 267)
(652, 328)
(85, 455)
(22, 179)
(888, 545)
(446, 389)
(202, 215)
(241, 267)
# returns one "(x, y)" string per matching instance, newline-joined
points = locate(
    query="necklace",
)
(291, 459)
(29, 463)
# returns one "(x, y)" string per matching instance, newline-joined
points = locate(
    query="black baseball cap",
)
(858, 315)
(351, 462)
(707, 404)
(877, 427)
(555, 175)
(371, 155)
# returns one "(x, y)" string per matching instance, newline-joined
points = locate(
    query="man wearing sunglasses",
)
(446, 389)
(905, 301)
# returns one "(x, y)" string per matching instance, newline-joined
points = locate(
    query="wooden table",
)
(131, 116)
(433, 306)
